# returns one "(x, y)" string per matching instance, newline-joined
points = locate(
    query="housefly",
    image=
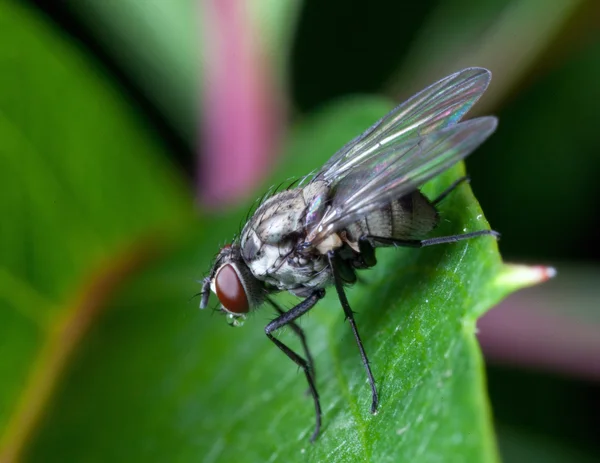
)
(317, 234)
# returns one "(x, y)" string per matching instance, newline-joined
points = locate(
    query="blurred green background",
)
(129, 92)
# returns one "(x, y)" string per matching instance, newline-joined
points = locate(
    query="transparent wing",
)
(440, 105)
(398, 170)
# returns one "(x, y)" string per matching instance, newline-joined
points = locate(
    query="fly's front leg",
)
(205, 293)
(288, 318)
(300, 333)
(350, 317)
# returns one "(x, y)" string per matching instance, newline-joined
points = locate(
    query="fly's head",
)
(238, 290)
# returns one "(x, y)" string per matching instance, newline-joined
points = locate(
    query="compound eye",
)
(230, 291)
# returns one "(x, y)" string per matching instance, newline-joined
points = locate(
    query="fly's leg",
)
(288, 318)
(365, 259)
(350, 317)
(432, 241)
(367, 253)
(300, 333)
(450, 189)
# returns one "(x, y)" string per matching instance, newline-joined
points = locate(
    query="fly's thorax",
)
(238, 290)
(285, 214)
(410, 217)
(272, 232)
(271, 237)
(279, 225)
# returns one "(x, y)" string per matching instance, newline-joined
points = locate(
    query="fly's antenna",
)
(204, 293)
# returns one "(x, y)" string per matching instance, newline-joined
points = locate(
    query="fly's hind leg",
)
(286, 319)
(432, 241)
(450, 189)
(339, 286)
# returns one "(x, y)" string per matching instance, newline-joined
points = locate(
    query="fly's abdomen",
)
(409, 217)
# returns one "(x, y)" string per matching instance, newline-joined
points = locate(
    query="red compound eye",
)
(230, 290)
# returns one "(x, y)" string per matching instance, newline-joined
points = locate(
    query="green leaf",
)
(86, 197)
(488, 35)
(158, 380)
(156, 44)
(163, 46)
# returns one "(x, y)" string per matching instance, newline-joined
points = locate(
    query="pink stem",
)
(242, 110)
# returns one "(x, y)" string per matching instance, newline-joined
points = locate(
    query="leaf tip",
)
(517, 276)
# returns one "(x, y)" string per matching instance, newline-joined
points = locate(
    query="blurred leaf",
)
(86, 196)
(346, 47)
(244, 107)
(157, 380)
(508, 38)
(162, 46)
(574, 296)
(544, 408)
(553, 328)
(276, 22)
(544, 163)
(156, 44)
(519, 446)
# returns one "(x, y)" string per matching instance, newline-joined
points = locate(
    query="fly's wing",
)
(397, 170)
(440, 105)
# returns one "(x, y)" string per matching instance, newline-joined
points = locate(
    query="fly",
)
(366, 196)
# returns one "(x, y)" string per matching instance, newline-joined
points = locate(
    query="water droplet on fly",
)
(236, 319)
